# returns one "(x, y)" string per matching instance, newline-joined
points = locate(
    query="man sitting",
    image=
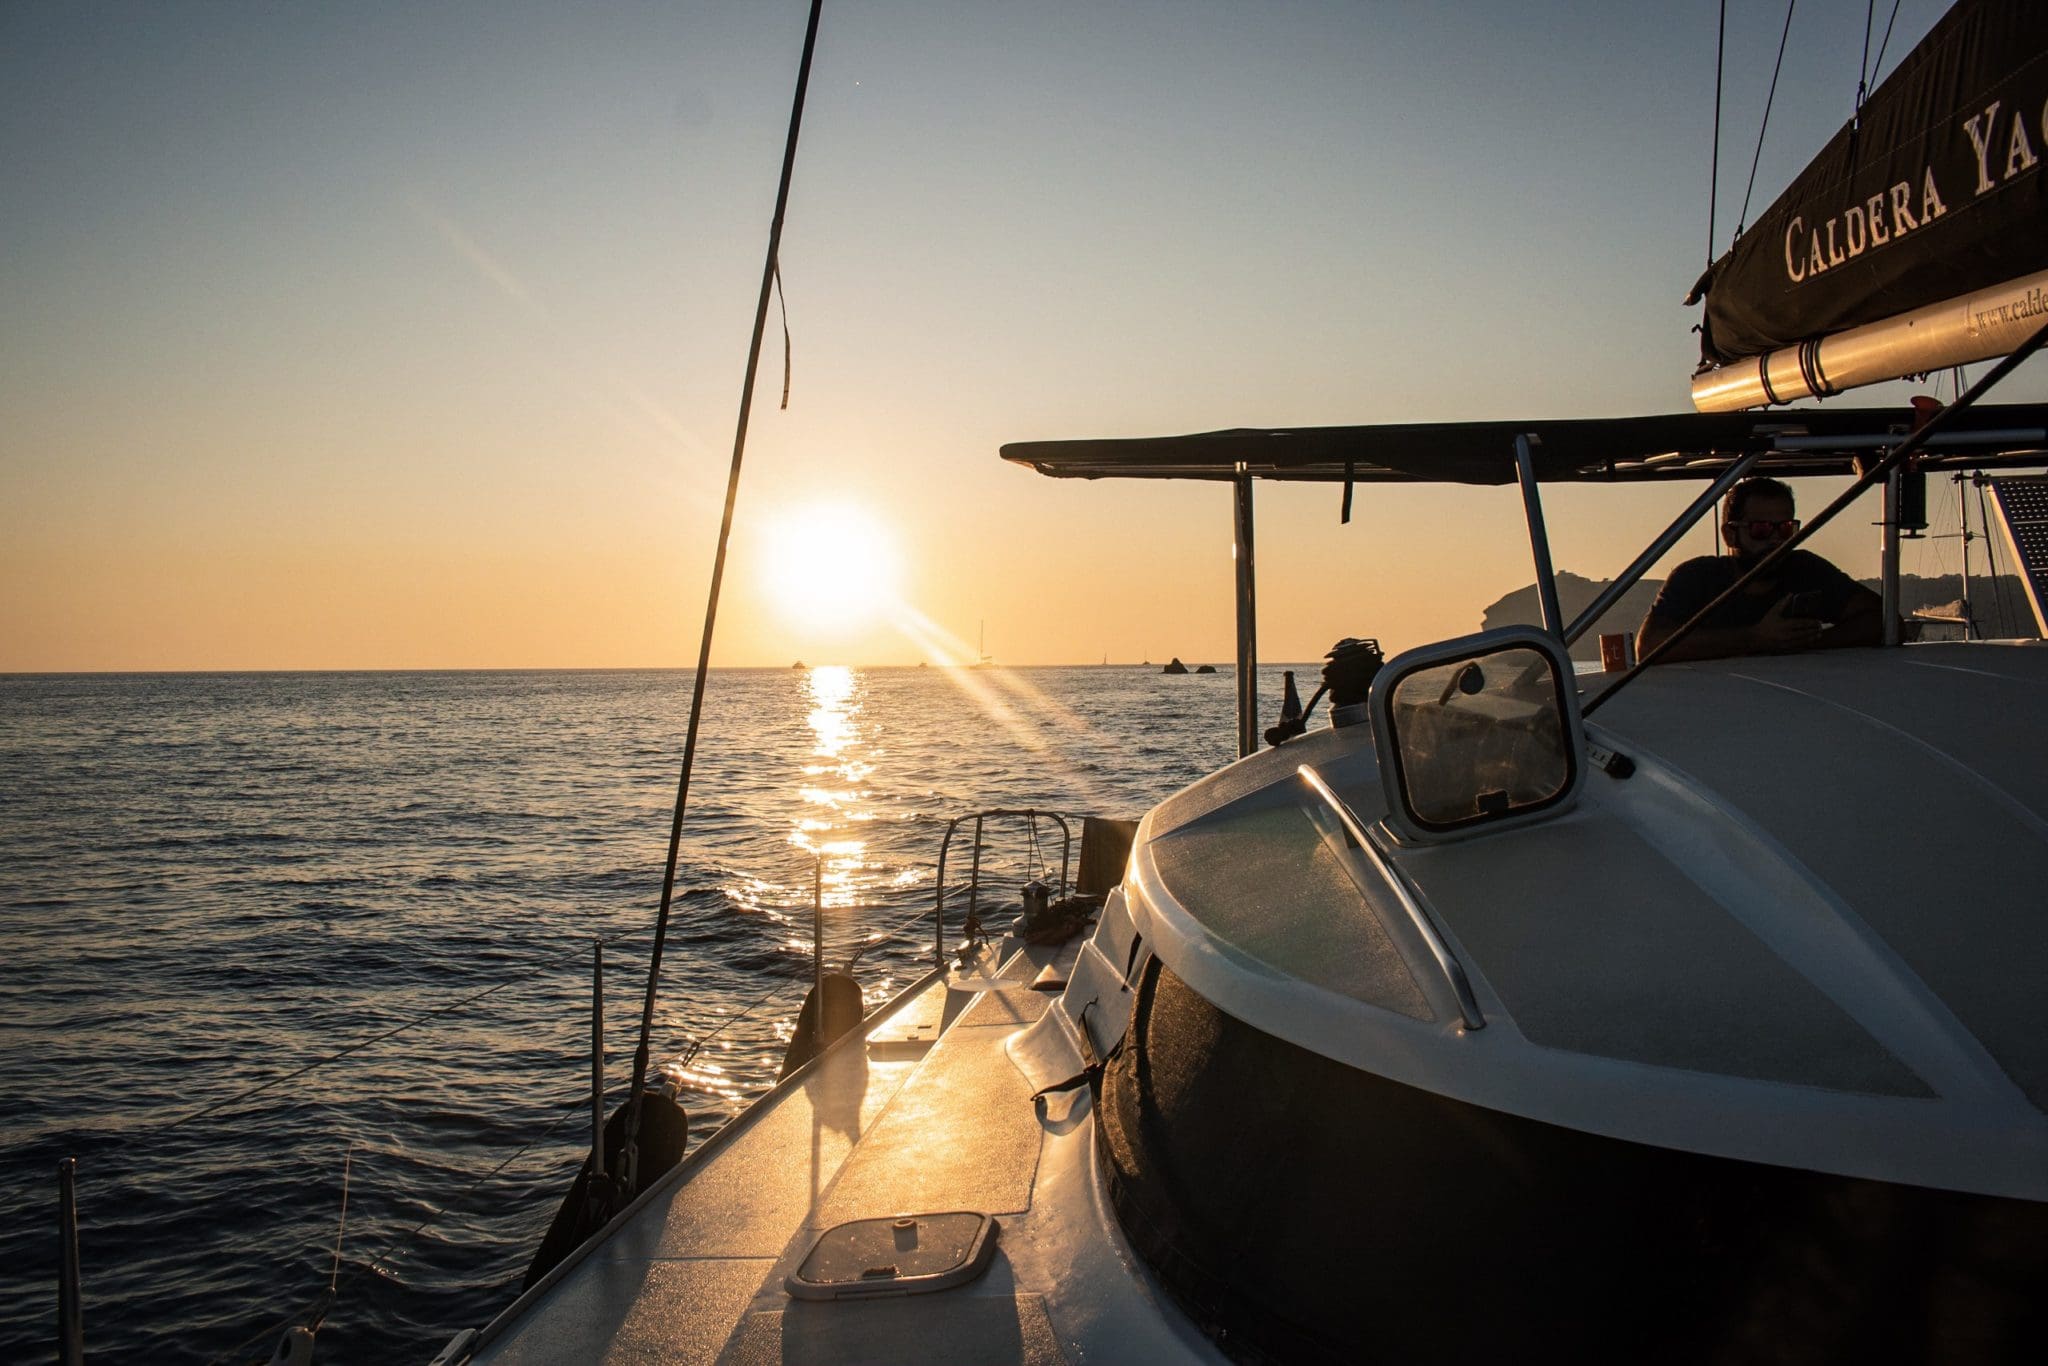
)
(1803, 603)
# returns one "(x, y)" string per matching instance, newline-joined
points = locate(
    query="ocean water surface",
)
(213, 883)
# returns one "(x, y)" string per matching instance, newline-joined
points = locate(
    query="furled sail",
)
(1916, 240)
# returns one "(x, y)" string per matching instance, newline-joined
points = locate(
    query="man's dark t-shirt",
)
(1698, 582)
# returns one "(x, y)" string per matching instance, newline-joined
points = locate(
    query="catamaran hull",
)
(1364, 1219)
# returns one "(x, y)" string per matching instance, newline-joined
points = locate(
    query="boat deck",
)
(695, 1274)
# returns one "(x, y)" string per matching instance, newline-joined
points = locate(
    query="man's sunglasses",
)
(1764, 531)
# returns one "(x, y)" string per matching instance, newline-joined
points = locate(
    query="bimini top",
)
(1678, 445)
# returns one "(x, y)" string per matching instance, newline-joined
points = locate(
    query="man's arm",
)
(1776, 633)
(1861, 621)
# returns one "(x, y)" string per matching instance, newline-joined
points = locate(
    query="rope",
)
(732, 492)
(782, 301)
(1769, 99)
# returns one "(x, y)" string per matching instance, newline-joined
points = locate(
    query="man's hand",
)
(1781, 634)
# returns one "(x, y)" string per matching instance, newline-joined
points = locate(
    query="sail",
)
(1938, 192)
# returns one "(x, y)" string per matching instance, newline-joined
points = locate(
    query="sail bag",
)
(1939, 189)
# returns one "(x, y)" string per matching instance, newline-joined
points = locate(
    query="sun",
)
(829, 565)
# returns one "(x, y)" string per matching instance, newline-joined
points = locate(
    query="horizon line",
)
(614, 668)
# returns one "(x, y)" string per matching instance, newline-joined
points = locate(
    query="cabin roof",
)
(1798, 442)
(1825, 904)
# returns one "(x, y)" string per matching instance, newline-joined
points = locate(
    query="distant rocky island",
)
(2000, 605)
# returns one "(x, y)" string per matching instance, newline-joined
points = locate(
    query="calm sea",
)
(214, 881)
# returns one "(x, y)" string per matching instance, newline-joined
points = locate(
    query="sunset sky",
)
(410, 336)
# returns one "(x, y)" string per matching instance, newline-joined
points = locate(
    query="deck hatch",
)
(902, 1255)
(1476, 734)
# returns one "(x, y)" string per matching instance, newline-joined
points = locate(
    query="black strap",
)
(1089, 1076)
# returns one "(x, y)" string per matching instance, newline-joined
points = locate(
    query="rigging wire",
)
(877, 937)
(347, 1161)
(1885, 42)
(780, 989)
(1991, 556)
(1870, 477)
(217, 1106)
(361, 1044)
(1931, 543)
(1713, 169)
(145, 1133)
(732, 490)
(316, 1308)
(1743, 218)
(1863, 62)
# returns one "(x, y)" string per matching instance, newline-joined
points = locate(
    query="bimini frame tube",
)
(1888, 555)
(1683, 523)
(1247, 618)
(1912, 445)
(1974, 327)
(1539, 539)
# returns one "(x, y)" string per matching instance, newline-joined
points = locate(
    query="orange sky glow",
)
(437, 366)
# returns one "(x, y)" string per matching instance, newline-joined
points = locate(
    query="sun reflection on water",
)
(832, 794)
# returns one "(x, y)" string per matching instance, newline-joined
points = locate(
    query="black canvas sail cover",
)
(1939, 191)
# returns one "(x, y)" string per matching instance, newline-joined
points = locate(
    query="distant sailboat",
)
(981, 649)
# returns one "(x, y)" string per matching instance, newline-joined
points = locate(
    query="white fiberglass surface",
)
(1692, 958)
